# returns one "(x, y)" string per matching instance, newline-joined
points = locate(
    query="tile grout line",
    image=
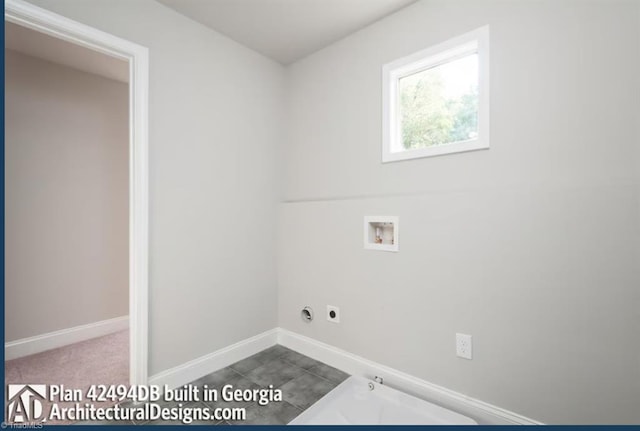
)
(280, 357)
(262, 386)
(288, 362)
(302, 409)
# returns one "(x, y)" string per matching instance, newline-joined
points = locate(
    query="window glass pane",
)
(440, 105)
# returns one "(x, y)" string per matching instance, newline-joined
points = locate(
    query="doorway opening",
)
(22, 16)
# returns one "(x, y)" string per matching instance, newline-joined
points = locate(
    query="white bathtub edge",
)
(483, 413)
(343, 394)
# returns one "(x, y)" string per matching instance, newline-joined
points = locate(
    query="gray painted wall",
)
(532, 246)
(215, 120)
(66, 161)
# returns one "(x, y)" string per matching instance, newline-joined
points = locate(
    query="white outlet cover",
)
(464, 346)
(335, 319)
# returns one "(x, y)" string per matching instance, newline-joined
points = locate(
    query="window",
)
(436, 101)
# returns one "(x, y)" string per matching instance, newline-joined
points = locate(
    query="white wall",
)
(215, 122)
(532, 246)
(66, 161)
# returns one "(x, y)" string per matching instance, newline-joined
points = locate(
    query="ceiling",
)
(286, 30)
(40, 45)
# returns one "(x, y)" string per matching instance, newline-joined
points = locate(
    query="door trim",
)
(44, 21)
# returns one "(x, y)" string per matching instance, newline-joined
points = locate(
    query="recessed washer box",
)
(381, 233)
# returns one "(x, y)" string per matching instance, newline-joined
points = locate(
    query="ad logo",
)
(24, 403)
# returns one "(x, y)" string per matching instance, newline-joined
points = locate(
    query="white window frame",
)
(476, 41)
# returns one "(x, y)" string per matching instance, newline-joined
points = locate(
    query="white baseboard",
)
(483, 413)
(192, 370)
(52, 340)
(480, 411)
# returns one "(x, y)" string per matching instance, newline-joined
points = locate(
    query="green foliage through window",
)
(440, 105)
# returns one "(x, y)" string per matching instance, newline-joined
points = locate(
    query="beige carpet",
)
(100, 361)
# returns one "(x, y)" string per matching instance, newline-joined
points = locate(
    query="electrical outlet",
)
(464, 347)
(333, 314)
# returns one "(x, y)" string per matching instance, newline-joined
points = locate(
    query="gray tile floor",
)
(303, 381)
